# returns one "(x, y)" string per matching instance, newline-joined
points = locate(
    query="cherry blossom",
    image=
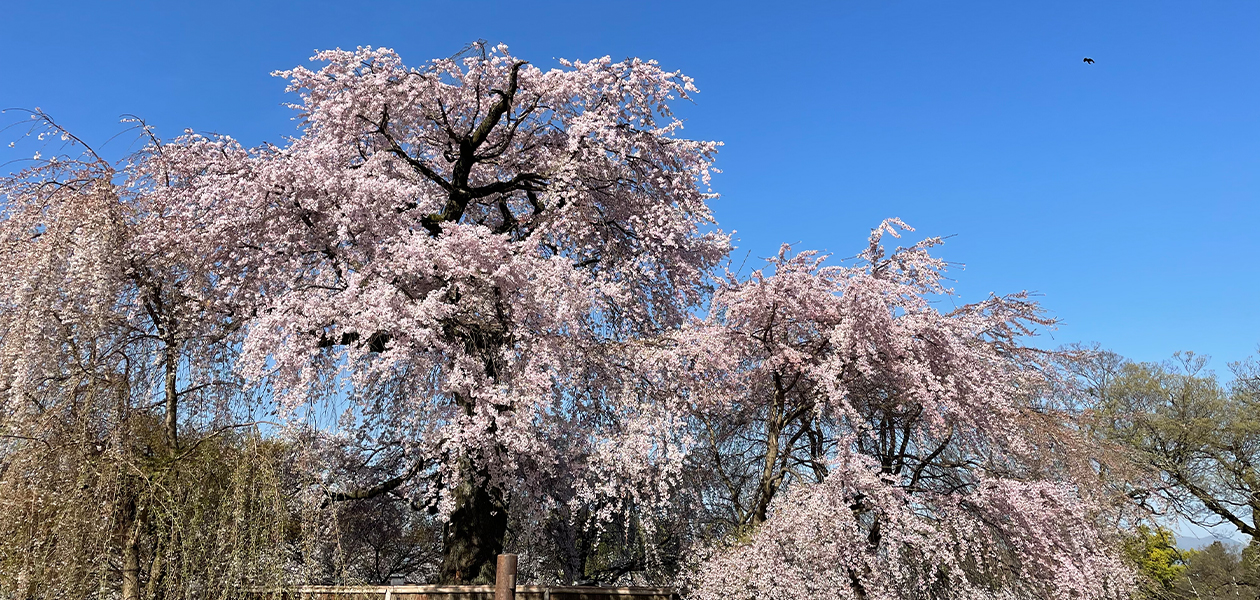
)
(451, 247)
(871, 446)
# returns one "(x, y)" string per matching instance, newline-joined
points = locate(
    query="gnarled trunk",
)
(477, 529)
(475, 533)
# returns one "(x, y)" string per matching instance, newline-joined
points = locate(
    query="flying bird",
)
(1089, 61)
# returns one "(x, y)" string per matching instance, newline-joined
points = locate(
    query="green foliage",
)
(1154, 552)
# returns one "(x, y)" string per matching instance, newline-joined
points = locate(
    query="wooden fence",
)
(469, 592)
(504, 588)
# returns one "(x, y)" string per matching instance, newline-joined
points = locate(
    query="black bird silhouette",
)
(1089, 61)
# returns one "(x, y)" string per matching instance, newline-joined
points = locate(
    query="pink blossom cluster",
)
(897, 460)
(462, 283)
(1004, 539)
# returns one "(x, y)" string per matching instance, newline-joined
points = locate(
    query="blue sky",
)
(1126, 192)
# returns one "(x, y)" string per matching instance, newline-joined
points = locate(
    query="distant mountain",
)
(1197, 543)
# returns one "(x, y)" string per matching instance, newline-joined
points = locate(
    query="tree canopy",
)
(506, 285)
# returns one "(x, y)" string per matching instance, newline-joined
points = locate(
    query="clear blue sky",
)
(1125, 191)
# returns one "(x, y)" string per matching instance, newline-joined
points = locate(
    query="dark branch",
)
(384, 487)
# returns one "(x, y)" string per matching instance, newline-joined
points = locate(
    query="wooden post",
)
(505, 578)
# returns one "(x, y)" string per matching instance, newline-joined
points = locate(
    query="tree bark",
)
(131, 553)
(172, 396)
(153, 589)
(769, 482)
(474, 535)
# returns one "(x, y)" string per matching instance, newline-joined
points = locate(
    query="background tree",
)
(119, 458)
(1219, 571)
(1201, 438)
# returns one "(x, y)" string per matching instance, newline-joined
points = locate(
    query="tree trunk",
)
(172, 396)
(131, 553)
(153, 589)
(474, 535)
(768, 484)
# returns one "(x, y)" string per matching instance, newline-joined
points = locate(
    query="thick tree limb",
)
(1214, 505)
(384, 487)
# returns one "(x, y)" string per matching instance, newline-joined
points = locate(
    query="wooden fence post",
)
(505, 578)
